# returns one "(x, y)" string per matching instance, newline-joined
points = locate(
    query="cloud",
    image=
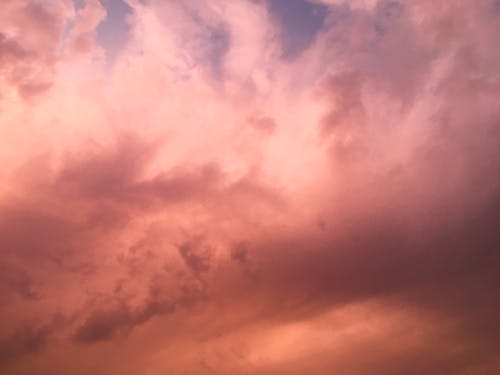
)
(29, 40)
(26, 339)
(203, 203)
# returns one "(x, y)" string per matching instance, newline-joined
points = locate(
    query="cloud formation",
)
(216, 194)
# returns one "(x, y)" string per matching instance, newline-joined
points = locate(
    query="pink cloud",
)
(333, 213)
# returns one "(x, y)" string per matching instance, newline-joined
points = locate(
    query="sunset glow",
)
(249, 187)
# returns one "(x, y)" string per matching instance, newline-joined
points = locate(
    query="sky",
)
(249, 187)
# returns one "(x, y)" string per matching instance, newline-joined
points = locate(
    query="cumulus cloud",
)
(197, 201)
